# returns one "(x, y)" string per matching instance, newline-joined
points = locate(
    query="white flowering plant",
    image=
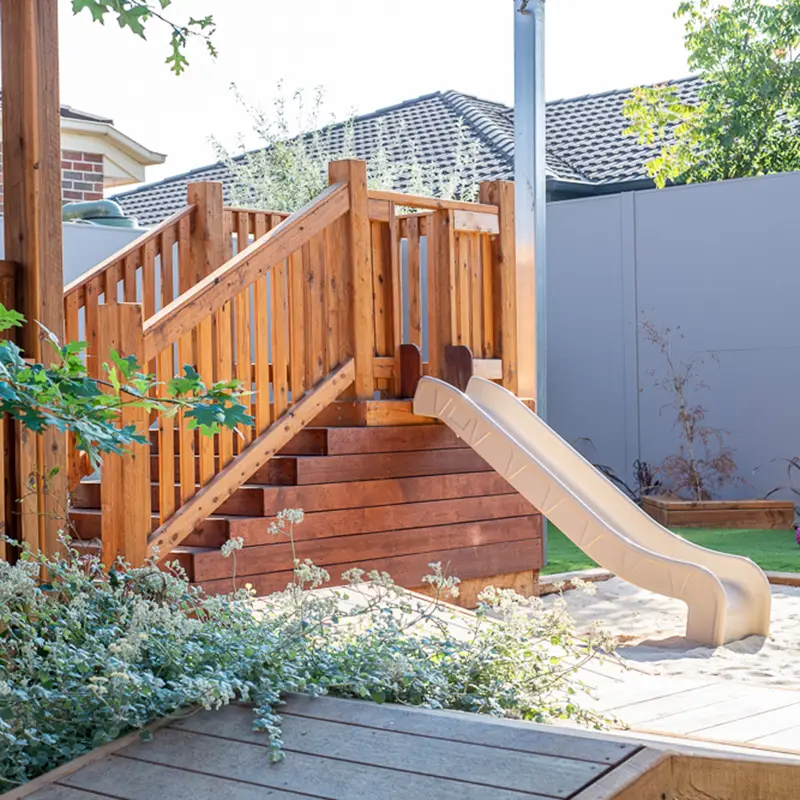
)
(95, 653)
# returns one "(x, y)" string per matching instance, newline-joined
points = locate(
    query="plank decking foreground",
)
(348, 749)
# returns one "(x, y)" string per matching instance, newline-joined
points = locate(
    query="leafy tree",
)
(747, 53)
(63, 395)
(136, 15)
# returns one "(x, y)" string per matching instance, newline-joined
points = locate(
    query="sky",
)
(365, 54)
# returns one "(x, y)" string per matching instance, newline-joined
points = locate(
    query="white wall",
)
(87, 245)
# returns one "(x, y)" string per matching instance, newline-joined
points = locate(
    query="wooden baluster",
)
(261, 323)
(414, 287)
(334, 245)
(280, 338)
(129, 276)
(487, 291)
(308, 313)
(463, 294)
(125, 489)
(396, 293)
(28, 489)
(186, 350)
(442, 318)
(72, 304)
(297, 326)
(475, 286)
(316, 317)
(380, 280)
(358, 280)
(244, 364)
(111, 278)
(225, 341)
(515, 337)
(166, 440)
(166, 245)
(92, 290)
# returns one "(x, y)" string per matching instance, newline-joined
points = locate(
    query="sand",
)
(649, 630)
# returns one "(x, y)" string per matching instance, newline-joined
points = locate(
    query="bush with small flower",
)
(93, 653)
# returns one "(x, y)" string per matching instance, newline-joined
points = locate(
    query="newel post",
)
(358, 279)
(125, 486)
(514, 297)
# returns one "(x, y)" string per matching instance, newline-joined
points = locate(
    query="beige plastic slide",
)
(728, 597)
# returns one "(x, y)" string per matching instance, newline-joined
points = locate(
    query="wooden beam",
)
(263, 447)
(476, 222)
(32, 205)
(359, 276)
(515, 293)
(433, 203)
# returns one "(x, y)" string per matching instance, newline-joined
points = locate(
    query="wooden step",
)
(466, 563)
(396, 439)
(308, 442)
(278, 471)
(212, 532)
(365, 548)
(363, 494)
(325, 524)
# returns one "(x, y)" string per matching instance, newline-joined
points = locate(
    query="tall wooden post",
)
(513, 290)
(206, 253)
(32, 203)
(358, 279)
(442, 302)
(125, 489)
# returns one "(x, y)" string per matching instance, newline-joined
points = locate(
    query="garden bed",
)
(736, 514)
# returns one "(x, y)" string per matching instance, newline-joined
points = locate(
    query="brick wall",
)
(81, 177)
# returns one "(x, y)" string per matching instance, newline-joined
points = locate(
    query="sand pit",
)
(649, 629)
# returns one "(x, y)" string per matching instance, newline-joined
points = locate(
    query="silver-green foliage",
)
(93, 654)
(289, 168)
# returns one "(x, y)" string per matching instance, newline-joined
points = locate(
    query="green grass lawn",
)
(772, 550)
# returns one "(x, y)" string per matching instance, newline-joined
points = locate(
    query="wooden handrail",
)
(243, 210)
(212, 292)
(129, 249)
(433, 203)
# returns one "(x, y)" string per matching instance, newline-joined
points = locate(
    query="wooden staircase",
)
(388, 498)
(316, 314)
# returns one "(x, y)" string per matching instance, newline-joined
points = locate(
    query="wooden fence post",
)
(358, 279)
(206, 253)
(125, 487)
(515, 333)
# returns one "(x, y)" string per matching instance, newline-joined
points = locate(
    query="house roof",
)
(585, 144)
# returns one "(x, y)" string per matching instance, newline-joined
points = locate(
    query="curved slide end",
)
(728, 597)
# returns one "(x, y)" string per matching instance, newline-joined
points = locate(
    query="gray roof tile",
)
(584, 143)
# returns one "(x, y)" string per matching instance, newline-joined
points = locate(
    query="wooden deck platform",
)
(349, 750)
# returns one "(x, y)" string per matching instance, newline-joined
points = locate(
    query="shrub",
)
(704, 463)
(94, 654)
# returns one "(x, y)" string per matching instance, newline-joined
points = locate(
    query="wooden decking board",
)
(550, 776)
(133, 779)
(331, 778)
(57, 792)
(460, 727)
(754, 726)
(673, 703)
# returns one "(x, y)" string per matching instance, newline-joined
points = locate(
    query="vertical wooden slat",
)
(334, 243)
(166, 442)
(359, 273)
(129, 276)
(308, 313)
(166, 245)
(111, 279)
(225, 335)
(92, 291)
(28, 488)
(463, 302)
(149, 278)
(280, 334)
(414, 288)
(186, 451)
(515, 336)
(296, 327)
(125, 488)
(487, 295)
(261, 324)
(442, 320)
(396, 278)
(380, 279)
(475, 287)
(244, 366)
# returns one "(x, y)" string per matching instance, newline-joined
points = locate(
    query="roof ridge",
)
(486, 129)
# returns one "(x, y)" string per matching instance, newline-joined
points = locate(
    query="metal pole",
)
(530, 178)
